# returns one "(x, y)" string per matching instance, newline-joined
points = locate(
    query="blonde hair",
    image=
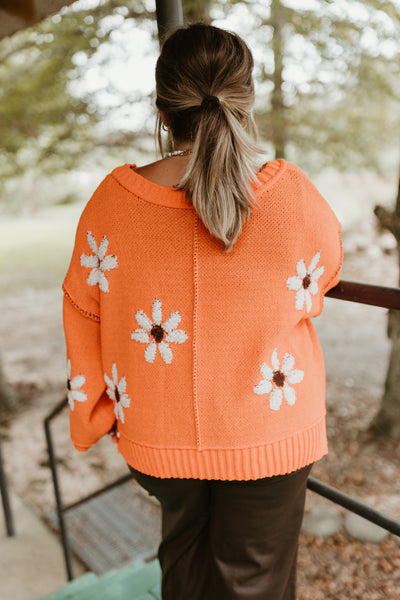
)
(205, 88)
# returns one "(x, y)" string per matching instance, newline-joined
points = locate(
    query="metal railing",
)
(346, 290)
(383, 297)
(375, 295)
(355, 506)
(61, 509)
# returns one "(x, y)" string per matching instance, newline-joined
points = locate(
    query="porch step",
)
(115, 528)
(136, 581)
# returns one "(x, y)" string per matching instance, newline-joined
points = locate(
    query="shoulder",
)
(288, 188)
(102, 189)
(97, 207)
(108, 188)
(281, 166)
(288, 176)
(281, 174)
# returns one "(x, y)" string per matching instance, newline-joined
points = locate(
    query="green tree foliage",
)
(327, 74)
(331, 73)
(41, 120)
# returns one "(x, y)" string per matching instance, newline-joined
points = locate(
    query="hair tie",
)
(210, 102)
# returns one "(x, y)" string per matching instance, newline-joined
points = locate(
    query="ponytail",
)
(220, 172)
(207, 99)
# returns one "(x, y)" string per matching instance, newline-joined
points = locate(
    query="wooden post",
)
(169, 17)
(5, 499)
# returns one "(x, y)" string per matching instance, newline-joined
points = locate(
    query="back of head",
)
(205, 88)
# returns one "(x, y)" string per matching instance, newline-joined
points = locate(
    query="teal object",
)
(77, 585)
(136, 581)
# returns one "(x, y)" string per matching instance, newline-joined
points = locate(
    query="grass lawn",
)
(35, 249)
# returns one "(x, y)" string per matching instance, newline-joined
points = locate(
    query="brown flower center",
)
(158, 333)
(117, 396)
(279, 378)
(306, 281)
(69, 384)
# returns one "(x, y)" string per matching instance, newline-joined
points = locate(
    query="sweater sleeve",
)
(86, 274)
(319, 263)
(326, 264)
(91, 268)
(91, 410)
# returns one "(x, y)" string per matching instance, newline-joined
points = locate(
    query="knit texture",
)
(206, 361)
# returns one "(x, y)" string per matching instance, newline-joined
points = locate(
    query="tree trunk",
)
(279, 126)
(387, 421)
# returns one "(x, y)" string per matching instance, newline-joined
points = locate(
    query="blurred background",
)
(77, 99)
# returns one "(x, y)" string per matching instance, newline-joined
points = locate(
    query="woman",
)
(187, 319)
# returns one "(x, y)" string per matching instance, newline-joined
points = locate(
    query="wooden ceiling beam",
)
(18, 14)
(24, 9)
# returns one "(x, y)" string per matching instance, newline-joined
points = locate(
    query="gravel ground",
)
(356, 351)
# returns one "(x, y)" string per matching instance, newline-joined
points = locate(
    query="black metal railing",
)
(375, 295)
(61, 509)
(346, 290)
(355, 506)
(383, 297)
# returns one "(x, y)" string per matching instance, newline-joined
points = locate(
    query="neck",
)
(179, 146)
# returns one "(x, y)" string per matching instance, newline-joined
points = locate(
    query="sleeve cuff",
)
(81, 448)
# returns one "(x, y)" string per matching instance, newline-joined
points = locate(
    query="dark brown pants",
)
(229, 540)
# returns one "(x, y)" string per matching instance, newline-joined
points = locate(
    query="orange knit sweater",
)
(206, 361)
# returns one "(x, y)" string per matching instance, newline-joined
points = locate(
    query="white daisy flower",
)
(73, 385)
(155, 334)
(276, 380)
(117, 392)
(98, 262)
(305, 282)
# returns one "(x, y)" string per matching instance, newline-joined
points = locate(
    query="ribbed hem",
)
(174, 198)
(269, 172)
(278, 458)
(148, 190)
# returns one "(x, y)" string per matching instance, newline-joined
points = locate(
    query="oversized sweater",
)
(205, 361)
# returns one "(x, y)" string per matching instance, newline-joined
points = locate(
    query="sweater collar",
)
(168, 196)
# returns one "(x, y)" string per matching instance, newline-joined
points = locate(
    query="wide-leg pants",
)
(229, 540)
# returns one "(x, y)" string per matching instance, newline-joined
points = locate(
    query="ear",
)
(164, 118)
